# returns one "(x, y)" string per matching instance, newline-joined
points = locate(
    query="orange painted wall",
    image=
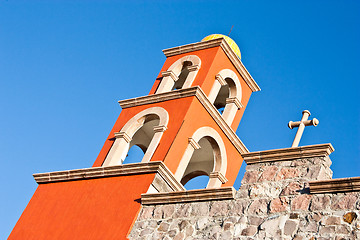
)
(213, 60)
(102, 208)
(195, 118)
(176, 109)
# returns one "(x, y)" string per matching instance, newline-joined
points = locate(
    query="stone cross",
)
(301, 126)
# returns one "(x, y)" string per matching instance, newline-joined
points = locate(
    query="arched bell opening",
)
(226, 94)
(182, 76)
(144, 130)
(134, 154)
(203, 161)
(142, 138)
(220, 100)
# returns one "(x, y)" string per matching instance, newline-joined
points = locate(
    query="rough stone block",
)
(286, 173)
(279, 204)
(292, 188)
(226, 235)
(332, 220)
(320, 202)
(179, 236)
(271, 190)
(301, 202)
(200, 209)
(290, 227)
(164, 211)
(318, 172)
(306, 227)
(268, 173)
(326, 230)
(249, 231)
(228, 226)
(344, 202)
(258, 206)
(237, 208)
(349, 217)
(256, 221)
(250, 177)
(271, 226)
(343, 229)
(201, 223)
(183, 210)
(219, 208)
(146, 212)
(163, 227)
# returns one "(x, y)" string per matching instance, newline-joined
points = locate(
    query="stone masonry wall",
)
(273, 202)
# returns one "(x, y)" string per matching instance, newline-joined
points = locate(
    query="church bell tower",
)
(185, 128)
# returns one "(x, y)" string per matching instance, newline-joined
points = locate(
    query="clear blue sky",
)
(64, 65)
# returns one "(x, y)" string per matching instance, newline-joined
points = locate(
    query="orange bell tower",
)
(185, 128)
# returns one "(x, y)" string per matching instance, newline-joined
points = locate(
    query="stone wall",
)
(273, 202)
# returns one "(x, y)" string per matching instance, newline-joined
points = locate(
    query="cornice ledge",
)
(159, 97)
(228, 51)
(285, 154)
(110, 171)
(192, 47)
(188, 196)
(335, 185)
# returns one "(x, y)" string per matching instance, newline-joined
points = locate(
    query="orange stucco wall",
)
(196, 118)
(103, 208)
(176, 109)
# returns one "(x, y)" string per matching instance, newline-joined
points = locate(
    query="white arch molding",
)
(217, 175)
(171, 75)
(233, 102)
(121, 145)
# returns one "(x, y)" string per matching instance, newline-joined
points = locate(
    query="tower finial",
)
(230, 30)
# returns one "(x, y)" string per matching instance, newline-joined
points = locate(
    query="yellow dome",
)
(231, 42)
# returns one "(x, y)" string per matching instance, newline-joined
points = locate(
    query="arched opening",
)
(198, 182)
(141, 139)
(202, 161)
(226, 91)
(144, 130)
(205, 155)
(134, 155)
(182, 76)
(226, 94)
(220, 100)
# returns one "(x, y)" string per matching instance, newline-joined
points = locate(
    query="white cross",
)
(301, 124)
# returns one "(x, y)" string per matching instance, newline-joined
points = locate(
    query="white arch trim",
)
(220, 80)
(227, 73)
(220, 164)
(233, 103)
(170, 76)
(121, 144)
